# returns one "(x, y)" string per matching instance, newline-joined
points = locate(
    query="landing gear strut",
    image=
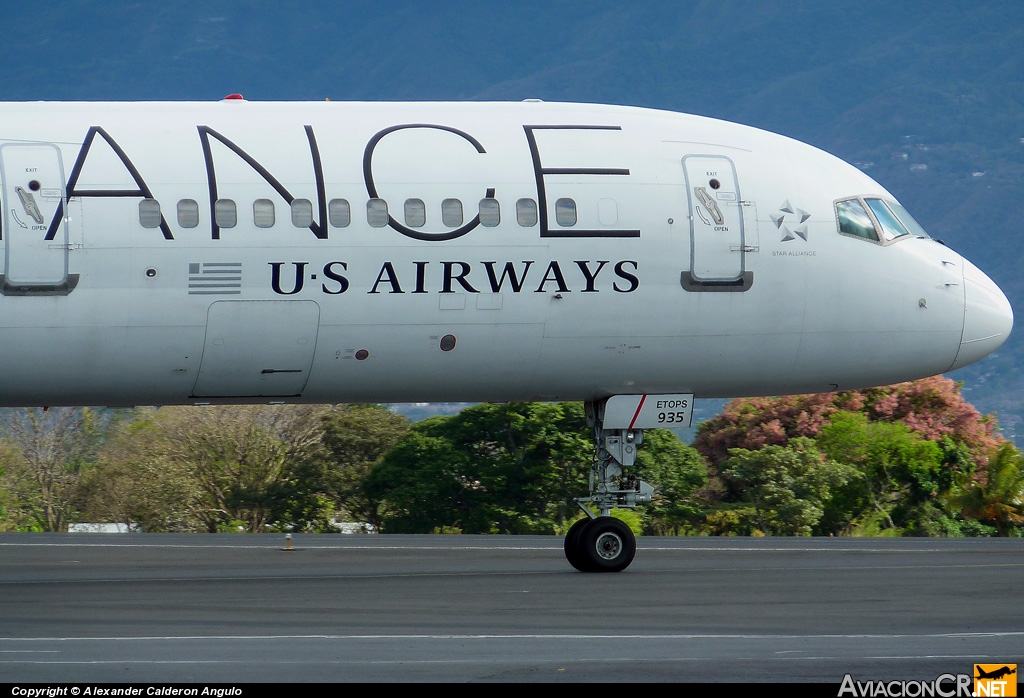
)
(601, 543)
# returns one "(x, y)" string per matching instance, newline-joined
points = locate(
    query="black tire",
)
(572, 545)
(607, 545)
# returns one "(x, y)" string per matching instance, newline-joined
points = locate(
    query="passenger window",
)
(526, 212)
(188, 213)
(891, 226)
(339, 212)
(149, 213)
(302, 213)
(854, 220)
(377, 213)
(263, 213)
(490, 213)
(225, 214)
(415, 213)
(565, 212)
(451, 213)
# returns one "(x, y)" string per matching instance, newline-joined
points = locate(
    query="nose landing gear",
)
(601, 543)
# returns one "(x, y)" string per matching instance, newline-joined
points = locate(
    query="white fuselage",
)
(529, 251)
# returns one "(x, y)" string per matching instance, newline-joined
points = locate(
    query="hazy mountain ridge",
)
(939, 83)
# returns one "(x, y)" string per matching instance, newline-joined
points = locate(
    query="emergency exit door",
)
(33, 197)
(717, 236)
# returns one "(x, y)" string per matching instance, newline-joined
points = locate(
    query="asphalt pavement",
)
(241, 609)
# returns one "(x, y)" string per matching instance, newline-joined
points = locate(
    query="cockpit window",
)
(908, 221)
(855, 220)
(891, 226)
(876, 219)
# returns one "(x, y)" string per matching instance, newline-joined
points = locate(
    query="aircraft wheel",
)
(607, 545)
(573, 551)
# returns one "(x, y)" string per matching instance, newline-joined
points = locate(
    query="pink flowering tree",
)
(931, 407)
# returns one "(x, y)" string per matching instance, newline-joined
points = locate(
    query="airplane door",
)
(258, 348)
(33, 193)
(717, 245)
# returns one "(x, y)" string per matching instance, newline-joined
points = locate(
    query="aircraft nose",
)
(988, 317)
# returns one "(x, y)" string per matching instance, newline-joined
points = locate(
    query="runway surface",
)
(237, 608)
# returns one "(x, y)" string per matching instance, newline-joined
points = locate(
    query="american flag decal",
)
(214, 278)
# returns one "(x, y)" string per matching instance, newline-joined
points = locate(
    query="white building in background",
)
(103, 528)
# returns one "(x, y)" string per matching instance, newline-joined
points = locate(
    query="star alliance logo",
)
(788, 215)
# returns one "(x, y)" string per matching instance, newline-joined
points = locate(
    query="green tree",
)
(134, 481)
(898, 469)
(355, 439)
(300, 500)
(529, 459)
(240, 456)
(15, 515)
(676, 471)
(423, 486)
(998, 498)
(788, 486)
(51, 450)
(509, 468)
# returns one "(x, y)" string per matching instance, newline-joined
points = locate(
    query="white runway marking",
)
(530, 636)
